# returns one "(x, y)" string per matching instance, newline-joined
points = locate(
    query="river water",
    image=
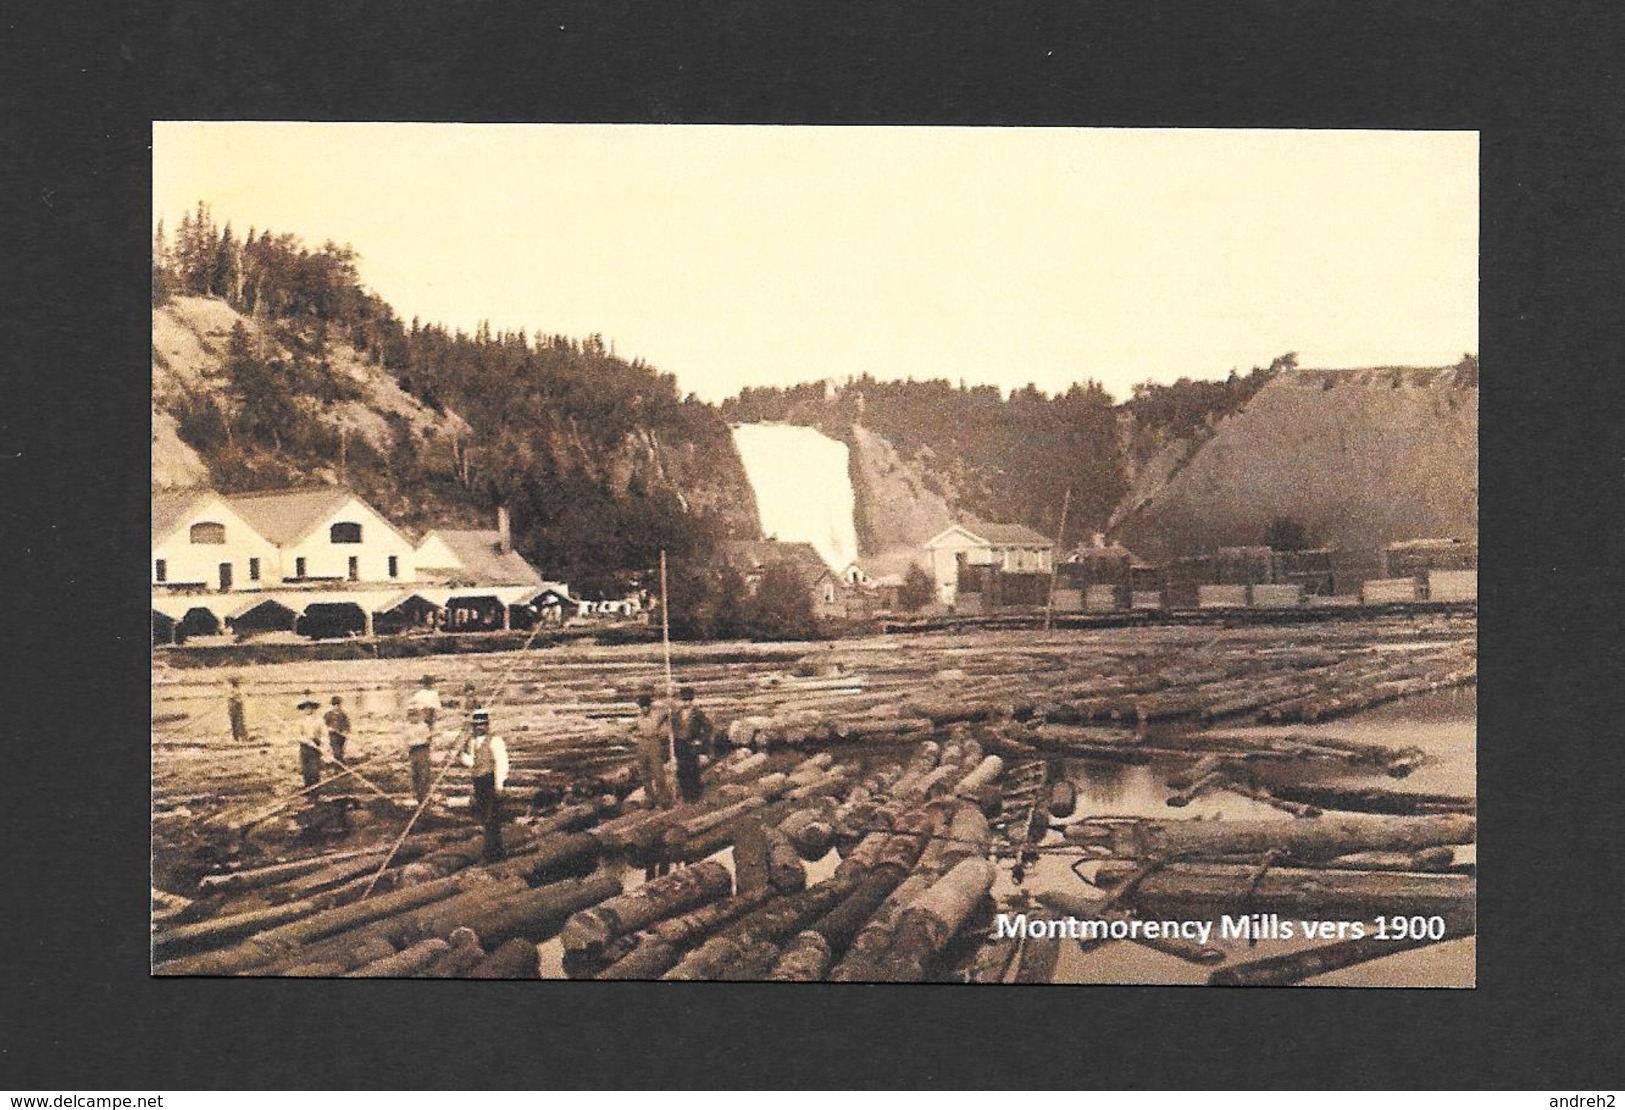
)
(1444, 725)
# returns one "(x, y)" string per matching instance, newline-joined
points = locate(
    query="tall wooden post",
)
(1055, 565)
(665, 643)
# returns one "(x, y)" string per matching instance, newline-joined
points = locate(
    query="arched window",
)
(205, 531)
(345, 531)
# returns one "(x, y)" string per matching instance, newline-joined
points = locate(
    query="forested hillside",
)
(277, 366)
(273, 365)
(1003, 458)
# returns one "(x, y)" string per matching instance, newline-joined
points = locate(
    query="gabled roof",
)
(1011, 535)
(289, 515)
(890, 564)
(995, 535)
(480, 558)
(170, 507)
(754, 555)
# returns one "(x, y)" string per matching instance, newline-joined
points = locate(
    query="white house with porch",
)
(1014, 548)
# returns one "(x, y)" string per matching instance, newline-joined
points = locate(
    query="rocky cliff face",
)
(1360, 457)
(420, 465)
(897, 507)
(190, 336)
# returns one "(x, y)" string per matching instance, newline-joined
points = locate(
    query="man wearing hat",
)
(338, 728)
(487, 755)
(311, 731)
(421, 712)
(693, 731)
(652, 735)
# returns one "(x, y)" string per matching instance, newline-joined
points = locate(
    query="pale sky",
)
(735, 256)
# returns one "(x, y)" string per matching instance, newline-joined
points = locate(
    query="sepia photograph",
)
(800, 554)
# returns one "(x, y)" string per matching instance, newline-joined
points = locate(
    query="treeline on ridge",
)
(1013, 458)
(568, 435)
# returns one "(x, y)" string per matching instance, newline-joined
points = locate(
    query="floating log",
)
(679, 831)
(840, 925)
(1371, 799)
(329, 970)
(723, 836)
(750, 855)
(590, 929)
(779, 918)
(984, 774)
(1063, 799)
(1203, 768)
(965, 832)
(348, 952)
(875, 935)
(803, 960)
(1259, 794)
(785, 872)
(811, 830)
(555, 857)
(1320, 839)
(1442, 858)
(991, 962)
(657, 949)
(220, 930)
(1241, 889)
(1294, 967)
(543, 912)
(1211, 781)
(407, 962)
(462, 955)
(1037, 960)
(514, 960)
(249, 878)
(930, 921)
(438, 919)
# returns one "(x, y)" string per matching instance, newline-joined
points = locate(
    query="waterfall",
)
(802, 486)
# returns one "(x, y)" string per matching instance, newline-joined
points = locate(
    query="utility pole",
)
(1055, 563)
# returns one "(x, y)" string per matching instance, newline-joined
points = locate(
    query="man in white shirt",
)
(312, 731)
(651, 735)
(421, 712)
(487, 755)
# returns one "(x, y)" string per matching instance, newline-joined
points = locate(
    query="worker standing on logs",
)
(693, 732)
(236, 709)
(488, 756)
(311, 732)
(653, 732)
(338, 728)
(421, 712)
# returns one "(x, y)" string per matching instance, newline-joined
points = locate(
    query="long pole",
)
(1055, 565)
(665, 644)
(451, 755)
